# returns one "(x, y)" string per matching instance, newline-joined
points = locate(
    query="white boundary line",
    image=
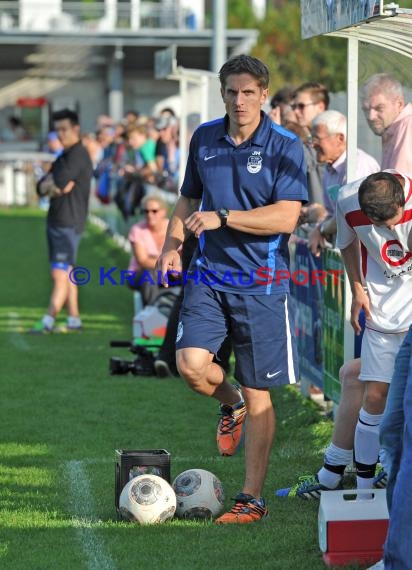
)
(15, 337)
(81, 506)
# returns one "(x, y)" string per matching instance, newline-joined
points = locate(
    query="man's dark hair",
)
(380, 196)
(63, 114)
(245, 64)
(318, 92)
(284, 95)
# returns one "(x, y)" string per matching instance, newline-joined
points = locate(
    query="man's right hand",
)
(360, 300)
(316, 242)
(170, 263)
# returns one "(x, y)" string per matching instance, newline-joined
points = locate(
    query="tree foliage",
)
(290, 59)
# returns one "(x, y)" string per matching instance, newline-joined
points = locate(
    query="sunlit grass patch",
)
(63, 416)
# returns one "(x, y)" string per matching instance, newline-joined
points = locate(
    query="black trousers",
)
(148, 291)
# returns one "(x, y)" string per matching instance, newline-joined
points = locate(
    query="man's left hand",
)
(198, 222)
(316, 242)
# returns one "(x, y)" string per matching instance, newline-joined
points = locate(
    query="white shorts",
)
(378, 355)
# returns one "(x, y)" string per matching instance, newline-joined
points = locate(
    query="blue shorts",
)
(260, 327)
(63, 245)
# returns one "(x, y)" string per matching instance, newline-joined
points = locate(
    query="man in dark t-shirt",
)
(68, 185)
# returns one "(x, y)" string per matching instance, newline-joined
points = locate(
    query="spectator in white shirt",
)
(329, 141)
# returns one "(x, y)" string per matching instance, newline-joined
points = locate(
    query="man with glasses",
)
(310, 99)
(329, 142)
(68, 186)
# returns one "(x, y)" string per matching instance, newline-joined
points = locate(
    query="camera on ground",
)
(142, 365)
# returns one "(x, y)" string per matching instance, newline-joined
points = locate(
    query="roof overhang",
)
(146, 37)
(392, 31)
(20, 49)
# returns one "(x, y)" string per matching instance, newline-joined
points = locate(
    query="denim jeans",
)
(398, 547)
(391, 430)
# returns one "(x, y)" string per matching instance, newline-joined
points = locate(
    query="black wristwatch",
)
(223, 214)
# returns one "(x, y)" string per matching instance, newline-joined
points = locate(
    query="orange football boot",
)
(246, 509)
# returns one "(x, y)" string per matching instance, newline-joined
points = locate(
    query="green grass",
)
(63, 415)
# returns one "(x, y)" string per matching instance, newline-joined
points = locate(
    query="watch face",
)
(223, 214)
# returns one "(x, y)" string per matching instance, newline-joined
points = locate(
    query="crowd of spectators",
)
(134, 157)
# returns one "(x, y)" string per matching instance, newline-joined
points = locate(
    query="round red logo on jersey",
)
(394, 254)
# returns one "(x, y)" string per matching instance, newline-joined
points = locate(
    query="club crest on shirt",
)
(254, 162)
(394, 254)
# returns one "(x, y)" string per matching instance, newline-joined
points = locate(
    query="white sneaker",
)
(378, 566)
(74, 323)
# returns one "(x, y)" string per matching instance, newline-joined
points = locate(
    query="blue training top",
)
(263, 170)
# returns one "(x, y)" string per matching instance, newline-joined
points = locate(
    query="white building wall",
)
(38, 14)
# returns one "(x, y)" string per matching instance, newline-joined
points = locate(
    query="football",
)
(199, 494)
(147, 499)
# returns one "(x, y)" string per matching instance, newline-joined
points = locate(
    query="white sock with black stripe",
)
(366, 447)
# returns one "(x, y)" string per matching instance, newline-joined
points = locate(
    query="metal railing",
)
(93, 16)
(19, 172)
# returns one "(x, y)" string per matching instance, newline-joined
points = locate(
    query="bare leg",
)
(208, 378)
(375, 397)
(260, 431)
(349, 405)
(72, 299)
(60, 291)
(204, 376)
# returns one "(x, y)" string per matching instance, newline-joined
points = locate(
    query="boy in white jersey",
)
(377, 214)
(379, 217)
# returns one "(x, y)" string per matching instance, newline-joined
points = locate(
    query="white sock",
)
(362, 483)
(328, 478)
(74, 322)
(334, 455)
(48, 321)
(367, 445)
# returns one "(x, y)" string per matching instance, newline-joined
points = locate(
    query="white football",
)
(147, 499)
(199, 494)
